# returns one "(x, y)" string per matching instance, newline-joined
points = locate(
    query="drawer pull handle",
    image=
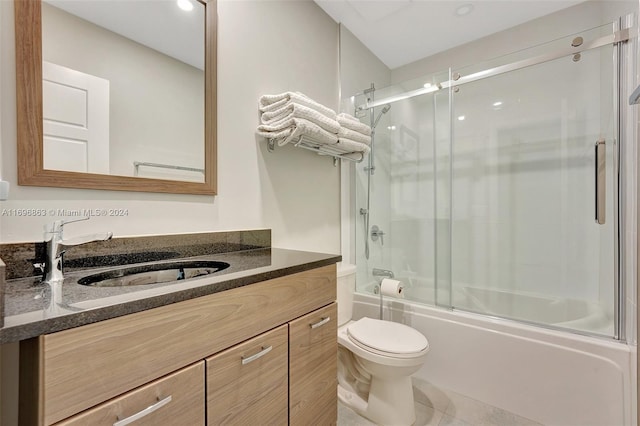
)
(320, 323)
(253, 357)
(140, 414)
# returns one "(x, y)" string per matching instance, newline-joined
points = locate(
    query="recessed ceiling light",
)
(185, 5)
(461, 117)
(465, 9)
(497, 104)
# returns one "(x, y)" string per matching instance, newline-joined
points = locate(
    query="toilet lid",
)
(387, 336)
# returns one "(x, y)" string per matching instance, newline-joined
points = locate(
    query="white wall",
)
(359, 67)
(264, 48)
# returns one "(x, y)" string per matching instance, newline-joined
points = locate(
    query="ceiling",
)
(399, 32)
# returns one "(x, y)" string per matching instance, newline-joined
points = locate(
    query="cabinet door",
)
(313, 360)
(177, 399)
(247, 384)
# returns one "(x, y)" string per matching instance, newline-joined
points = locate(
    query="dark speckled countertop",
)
(32, 308)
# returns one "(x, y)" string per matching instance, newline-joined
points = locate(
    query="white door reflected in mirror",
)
(75, 112)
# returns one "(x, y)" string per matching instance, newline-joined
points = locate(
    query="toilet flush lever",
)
(376, 233)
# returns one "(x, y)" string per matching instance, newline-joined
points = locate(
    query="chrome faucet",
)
(382, 273)
(56, 245)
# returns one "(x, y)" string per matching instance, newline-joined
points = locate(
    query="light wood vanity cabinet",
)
(90, 372)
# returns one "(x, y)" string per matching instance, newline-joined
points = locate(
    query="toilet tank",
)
(346, 287)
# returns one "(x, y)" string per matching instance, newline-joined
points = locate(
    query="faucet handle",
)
(376, 233)
(57, 226)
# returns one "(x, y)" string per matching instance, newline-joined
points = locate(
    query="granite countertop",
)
(32, 308)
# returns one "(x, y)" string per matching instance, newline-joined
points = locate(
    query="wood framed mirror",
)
(30, 129)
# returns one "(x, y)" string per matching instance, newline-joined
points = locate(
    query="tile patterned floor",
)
(438, 407)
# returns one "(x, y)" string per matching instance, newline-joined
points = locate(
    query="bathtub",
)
(552, 377)
(567, 313)
(528, 307)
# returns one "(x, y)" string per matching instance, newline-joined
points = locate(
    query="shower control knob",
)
(376, 233)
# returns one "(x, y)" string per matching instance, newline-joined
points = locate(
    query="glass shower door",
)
(399, 196)
(525, 151)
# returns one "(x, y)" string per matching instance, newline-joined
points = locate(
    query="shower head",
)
(385, 109)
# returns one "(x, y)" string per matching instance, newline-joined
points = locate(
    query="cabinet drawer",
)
(177, 399)
(85, 366)
(313, 352)
(248, 384)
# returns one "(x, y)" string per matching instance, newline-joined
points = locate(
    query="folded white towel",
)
(348, 117)
(350, 122)
(294, 110)
(286, 131)
(353, 135)
(270, 103)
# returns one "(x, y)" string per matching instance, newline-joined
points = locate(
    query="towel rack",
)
(308, 143)
(137, 164)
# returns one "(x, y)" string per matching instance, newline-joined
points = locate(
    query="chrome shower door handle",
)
(601, 181)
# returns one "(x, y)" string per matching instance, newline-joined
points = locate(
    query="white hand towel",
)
(270, 103)
(353, 135)
(288, 130)
(350, 122)
(293, 110)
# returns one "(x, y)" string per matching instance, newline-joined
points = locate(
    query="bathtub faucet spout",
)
(382, 273)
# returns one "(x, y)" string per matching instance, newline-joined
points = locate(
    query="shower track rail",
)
(457, 79)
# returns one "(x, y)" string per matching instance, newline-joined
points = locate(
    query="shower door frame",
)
(624, 44)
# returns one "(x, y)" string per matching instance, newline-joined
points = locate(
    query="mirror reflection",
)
(124, 88)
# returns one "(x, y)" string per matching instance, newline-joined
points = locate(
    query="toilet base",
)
(390, 401)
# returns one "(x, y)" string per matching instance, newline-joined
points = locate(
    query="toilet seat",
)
(387, 338)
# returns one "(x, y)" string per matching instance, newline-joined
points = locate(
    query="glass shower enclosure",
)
(495, 188)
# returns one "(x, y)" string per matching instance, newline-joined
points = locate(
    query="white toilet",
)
(376, 360)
